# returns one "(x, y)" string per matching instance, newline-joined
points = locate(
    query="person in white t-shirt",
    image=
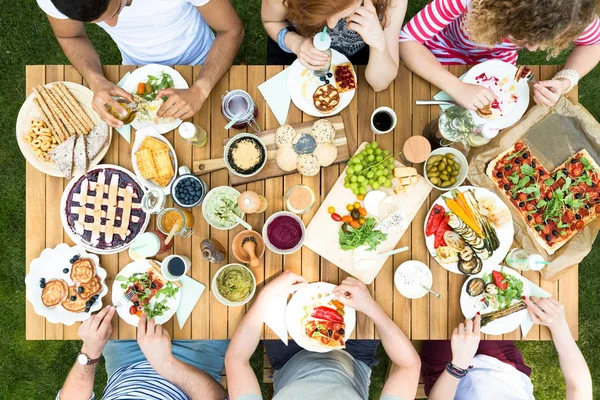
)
(467, 369)
(168, 32)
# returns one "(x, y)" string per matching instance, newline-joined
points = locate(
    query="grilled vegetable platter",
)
(468, 229)
(496, 292)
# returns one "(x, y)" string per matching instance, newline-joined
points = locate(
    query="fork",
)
(126, 299)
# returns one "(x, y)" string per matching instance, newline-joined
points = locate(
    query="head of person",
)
(92, 10)
(310, 16)
(548, 25)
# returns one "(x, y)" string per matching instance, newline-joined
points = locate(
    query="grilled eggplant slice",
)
(471, 267)
(475, 287)
(466, 254)
(491, 288)
(487, 318)
(478, 266)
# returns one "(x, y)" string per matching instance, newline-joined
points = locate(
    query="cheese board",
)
(322, 234)
(345, 145)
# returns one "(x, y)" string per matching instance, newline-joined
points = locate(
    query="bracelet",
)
(455, 371)
(569, 74)
(281, 40)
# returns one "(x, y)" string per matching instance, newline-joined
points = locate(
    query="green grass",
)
(36, 370)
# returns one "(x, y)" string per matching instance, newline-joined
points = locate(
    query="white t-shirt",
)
(491, 379)
(168, 32)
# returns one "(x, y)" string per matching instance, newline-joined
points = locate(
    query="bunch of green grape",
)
(371, 167)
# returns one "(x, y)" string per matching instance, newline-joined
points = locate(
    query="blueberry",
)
(76, 257)
(323, 78)
(80, 289)
(327, 82)
(329, 74)
(71, 261)
(93, 300)
(88, 303)
(42, 280)
(87, 309)
(66, 271)
(42, 284)
(96, 297)
(73, 298)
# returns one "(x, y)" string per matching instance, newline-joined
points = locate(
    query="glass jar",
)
(149, 244)
(299, 199)
(238, 106)
(169, 217)
(193, 134)
(154, 201)
(454, 125)
(525, 260)
(482, 135)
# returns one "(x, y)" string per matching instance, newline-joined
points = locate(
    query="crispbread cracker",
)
(153, 144)
(145, 163)
(162, 160)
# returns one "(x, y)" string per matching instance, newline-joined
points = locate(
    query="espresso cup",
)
(375, 124)
(181, 263)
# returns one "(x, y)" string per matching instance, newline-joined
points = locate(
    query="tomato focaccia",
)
(555, 205)
(344, 77)
(329, 333)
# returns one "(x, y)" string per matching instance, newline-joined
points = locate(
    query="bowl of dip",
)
(233, 285)
(409, 277)
(245, 155)
(299, 199)
(218, 206)
(284, 232)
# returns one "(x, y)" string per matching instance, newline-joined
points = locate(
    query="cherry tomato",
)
(350, 207)
(330, 209)
(355, 224)
(362, 221)
(141, 89)
(362, 211)
(347, 218)
(133, 310)
(338, 304)
(336, 217)
(360, 197)
(356, 205)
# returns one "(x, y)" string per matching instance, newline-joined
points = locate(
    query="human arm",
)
(155, 343)
(404, 376)
(94, 332)
(79, 50)
(247, 336)
(273, 15)
(551, 313)
(223, 19)
(384, 59)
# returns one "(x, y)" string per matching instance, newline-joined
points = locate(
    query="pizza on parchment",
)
(555, 205)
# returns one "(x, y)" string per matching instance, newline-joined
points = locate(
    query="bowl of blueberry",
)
(188, 190)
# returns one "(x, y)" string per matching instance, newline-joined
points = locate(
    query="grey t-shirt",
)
(333, 375)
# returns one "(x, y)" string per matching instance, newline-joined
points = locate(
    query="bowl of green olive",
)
(446, 168)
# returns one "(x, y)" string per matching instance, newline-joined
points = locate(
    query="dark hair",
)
(82, 10)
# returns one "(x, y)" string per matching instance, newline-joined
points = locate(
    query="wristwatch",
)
(83, 359)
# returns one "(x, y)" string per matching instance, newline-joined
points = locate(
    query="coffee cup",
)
(174, 267)
(383, 120)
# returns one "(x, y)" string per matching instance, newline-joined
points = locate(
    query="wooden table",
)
(425, 318)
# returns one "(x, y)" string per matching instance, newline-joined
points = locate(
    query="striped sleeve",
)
(591, 34)
(432, 19)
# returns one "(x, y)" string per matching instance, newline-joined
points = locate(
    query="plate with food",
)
(65, 284)
(555, 205)
(317, 321)
(144, 83)
(151, 293)
(102, 209)
(154, 160)
(467, 229)
(323, 96)
(220, 206)
(233, 285)
(512, 96)
(497, 294)
(58, 131)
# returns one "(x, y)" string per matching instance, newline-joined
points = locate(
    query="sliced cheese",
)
(403, 172)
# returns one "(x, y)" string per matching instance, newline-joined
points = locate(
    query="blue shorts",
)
(206, 355)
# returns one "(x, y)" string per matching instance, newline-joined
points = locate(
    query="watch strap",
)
(91, 361)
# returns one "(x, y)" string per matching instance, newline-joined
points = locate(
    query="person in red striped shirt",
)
(473, 31)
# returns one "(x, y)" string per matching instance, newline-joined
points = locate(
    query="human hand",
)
(355, 294)
(182, 103)
(547, 312)
(104, 90)
(472, 96)
(365, 22)
(95, 332)
(547, 93)
(465, 341)
(155, 343)
(310, 57)
(284, 285)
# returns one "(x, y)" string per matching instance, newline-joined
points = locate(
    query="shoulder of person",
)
(48, 7)
(198, 3)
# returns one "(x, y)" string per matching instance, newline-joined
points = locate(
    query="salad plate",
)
(318, 322)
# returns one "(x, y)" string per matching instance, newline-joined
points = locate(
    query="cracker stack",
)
(154, 161)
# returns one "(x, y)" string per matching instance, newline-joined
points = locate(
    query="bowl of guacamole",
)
(233, 285)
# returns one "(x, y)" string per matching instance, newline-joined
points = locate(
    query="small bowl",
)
(207, 200)
(415, 291)
(238, 250)
(270, 246)
(235, 139)
(459, 157)
(222, 299)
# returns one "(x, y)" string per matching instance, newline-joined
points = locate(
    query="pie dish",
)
(102, 209)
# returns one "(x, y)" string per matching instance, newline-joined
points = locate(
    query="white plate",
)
(413, 291)
(294, 314)
(49, 265)
(29, 111)
(505, 233)
(501, 69)
(149, 184)
(141, 75)
(74, 236)
(118, 294)
(208, 217)
(302, 83)
(471, 305)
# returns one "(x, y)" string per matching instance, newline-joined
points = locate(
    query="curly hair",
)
(309, 16)
(550, 24)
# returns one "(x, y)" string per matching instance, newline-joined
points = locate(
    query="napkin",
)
(191, 290)
(125, 131)
(276, 95)
(445, 96)
(536, 291)
(274, 317)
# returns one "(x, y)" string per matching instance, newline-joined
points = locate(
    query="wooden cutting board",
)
(344, 144)
(322, 232)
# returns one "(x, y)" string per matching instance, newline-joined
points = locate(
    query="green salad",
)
(502, 290)
(351, 238)
(142, 284)
(161, 81)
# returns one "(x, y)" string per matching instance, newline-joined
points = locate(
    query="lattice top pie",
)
(103, 208)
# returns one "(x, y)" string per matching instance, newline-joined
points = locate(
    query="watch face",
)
(82, 359)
